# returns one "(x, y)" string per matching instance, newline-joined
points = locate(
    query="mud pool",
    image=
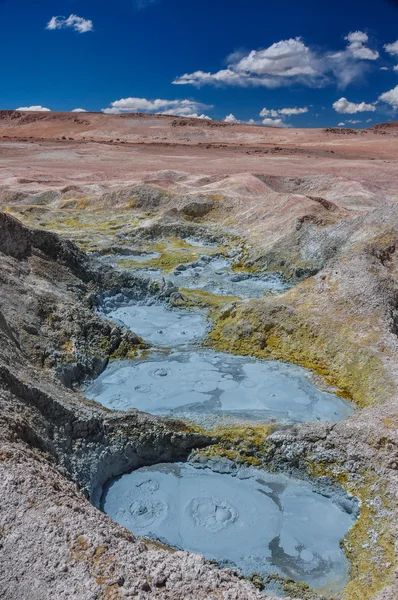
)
(160, 324)
(249, 518)
(212, 274)
(210, 388)
(243, 517)
(216, 276)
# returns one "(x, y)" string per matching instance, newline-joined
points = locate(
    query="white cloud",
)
(73, 21)
(276, 116)
(395, 68)
(384, 69)
(225, 76)
(231, 119)
(78, 110)
(278, 65)
(356, 46)
(181, 108)
(274, 122)
(343, 106)
(289, 62)
(266, 112)
(293, 111)
(183, 113)
(288, 112)
(287, 58)
(341, 125)
(369, 120)
(202, 116)
(391, 98)
(357, 37)
(34, 108)
(353, 121)
(392, 48)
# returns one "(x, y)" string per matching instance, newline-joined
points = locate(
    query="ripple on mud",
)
(161, 325)
(258, 521)
(207, 386)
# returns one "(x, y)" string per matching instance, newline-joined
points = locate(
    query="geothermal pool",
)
(161, 325)
(209, 387)
(249, 518)
(216, 276)
(243, 517)
(212, 274)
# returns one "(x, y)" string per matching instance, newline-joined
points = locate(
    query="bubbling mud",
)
(246, 517)
(215, 275)
(212, 274)
(211, 388)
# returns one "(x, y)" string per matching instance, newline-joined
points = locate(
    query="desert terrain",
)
(101, 213)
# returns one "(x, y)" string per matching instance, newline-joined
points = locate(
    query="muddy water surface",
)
(162, 325)
(245, 517)
(209, 387)
(254, 520)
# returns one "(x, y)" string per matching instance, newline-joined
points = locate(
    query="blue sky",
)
(257, 59)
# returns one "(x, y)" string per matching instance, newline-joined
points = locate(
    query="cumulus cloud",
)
(352, 63)
(182, 108)
(289, 62)
(341, 124)
(357, 41)
(34, 108)
(343, 106)
(266, 112)
(78, 110)
(231, 119)
(390, 97)
(392, 48)
(276, 116)
(182, 112)
(287, 112)
(225, 76)
(278, 65)
(73, 21)
(273, 122)
(293, 111)
(202, 116)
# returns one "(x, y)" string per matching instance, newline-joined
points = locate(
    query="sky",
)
(271, 62)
